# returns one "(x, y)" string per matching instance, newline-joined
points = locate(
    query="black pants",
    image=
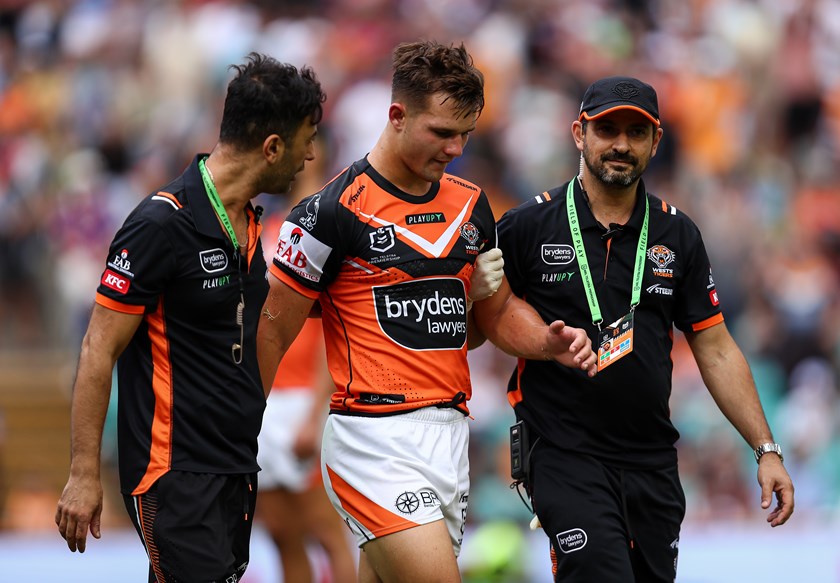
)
(196, 527)
(607, 524)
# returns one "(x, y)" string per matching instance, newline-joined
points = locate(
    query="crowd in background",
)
(101, 101)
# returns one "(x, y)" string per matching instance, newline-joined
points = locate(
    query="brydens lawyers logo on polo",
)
(115, 281)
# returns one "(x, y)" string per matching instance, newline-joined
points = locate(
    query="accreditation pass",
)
(615, 341)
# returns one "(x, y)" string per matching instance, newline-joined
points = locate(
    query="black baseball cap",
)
(612, 93)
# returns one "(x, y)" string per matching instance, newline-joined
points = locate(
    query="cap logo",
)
(625, 90)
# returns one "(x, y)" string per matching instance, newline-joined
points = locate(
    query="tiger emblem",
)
(661, 256)
(470, 233)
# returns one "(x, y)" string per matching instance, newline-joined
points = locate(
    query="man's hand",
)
(487, 275)
(570, 347)
(773, 477)
(79, 509)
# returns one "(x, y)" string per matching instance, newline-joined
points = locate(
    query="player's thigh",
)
(422, 554)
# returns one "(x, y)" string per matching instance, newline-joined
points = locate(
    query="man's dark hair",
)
(268, 97)
(424, 68)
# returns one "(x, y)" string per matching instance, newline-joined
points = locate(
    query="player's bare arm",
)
(515, 327)
(80, 506)
(283, 315)
(727, 376)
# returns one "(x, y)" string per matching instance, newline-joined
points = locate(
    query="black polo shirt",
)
(622, 415)
(184, 404)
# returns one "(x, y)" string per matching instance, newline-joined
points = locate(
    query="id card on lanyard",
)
(616, 340)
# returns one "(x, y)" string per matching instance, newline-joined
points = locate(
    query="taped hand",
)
(487, 275)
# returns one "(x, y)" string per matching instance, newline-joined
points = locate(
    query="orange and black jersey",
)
(184, 404)
(622, 415)
(391, 272)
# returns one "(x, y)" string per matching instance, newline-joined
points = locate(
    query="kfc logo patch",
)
(116, 282)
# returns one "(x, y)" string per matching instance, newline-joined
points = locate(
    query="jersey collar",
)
(204, 216)
(587, 219)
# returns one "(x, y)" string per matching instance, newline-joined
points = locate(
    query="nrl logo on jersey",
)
(382, 239)
(662, 257)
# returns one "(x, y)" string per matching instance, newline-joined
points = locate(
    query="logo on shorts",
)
(570, 541)
(407, 502)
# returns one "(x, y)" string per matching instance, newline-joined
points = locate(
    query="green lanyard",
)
(583, 264)
(216, 202)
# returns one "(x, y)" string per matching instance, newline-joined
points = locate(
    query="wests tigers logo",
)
(662, 257)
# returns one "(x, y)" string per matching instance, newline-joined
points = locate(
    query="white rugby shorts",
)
(285, 411)
(387, 474)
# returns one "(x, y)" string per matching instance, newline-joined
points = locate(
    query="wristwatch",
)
(768, 448)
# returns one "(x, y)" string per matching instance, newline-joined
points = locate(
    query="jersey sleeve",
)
(698, 306)
(140, 262)
(487, 226)
(512, 245)
(310, 245)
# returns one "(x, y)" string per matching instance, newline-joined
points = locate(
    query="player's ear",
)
(397, 115)
(273, 148)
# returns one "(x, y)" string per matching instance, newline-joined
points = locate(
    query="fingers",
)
(487, 275)
(766, 494)
(774, 480)
(95, 527)
(784, 507)
(74, 532)
(556, 327)
(80, 536)
(493, 255)
(579, 347)
(75, 516)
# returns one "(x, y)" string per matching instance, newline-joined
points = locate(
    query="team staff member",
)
(388, 248)
(177, 309)
(627, 266)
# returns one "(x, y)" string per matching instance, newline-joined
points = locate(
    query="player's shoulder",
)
(161, 205)
(662, 211)
(537, 207)
(458, 183)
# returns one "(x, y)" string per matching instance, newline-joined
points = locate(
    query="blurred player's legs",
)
(293, 506)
